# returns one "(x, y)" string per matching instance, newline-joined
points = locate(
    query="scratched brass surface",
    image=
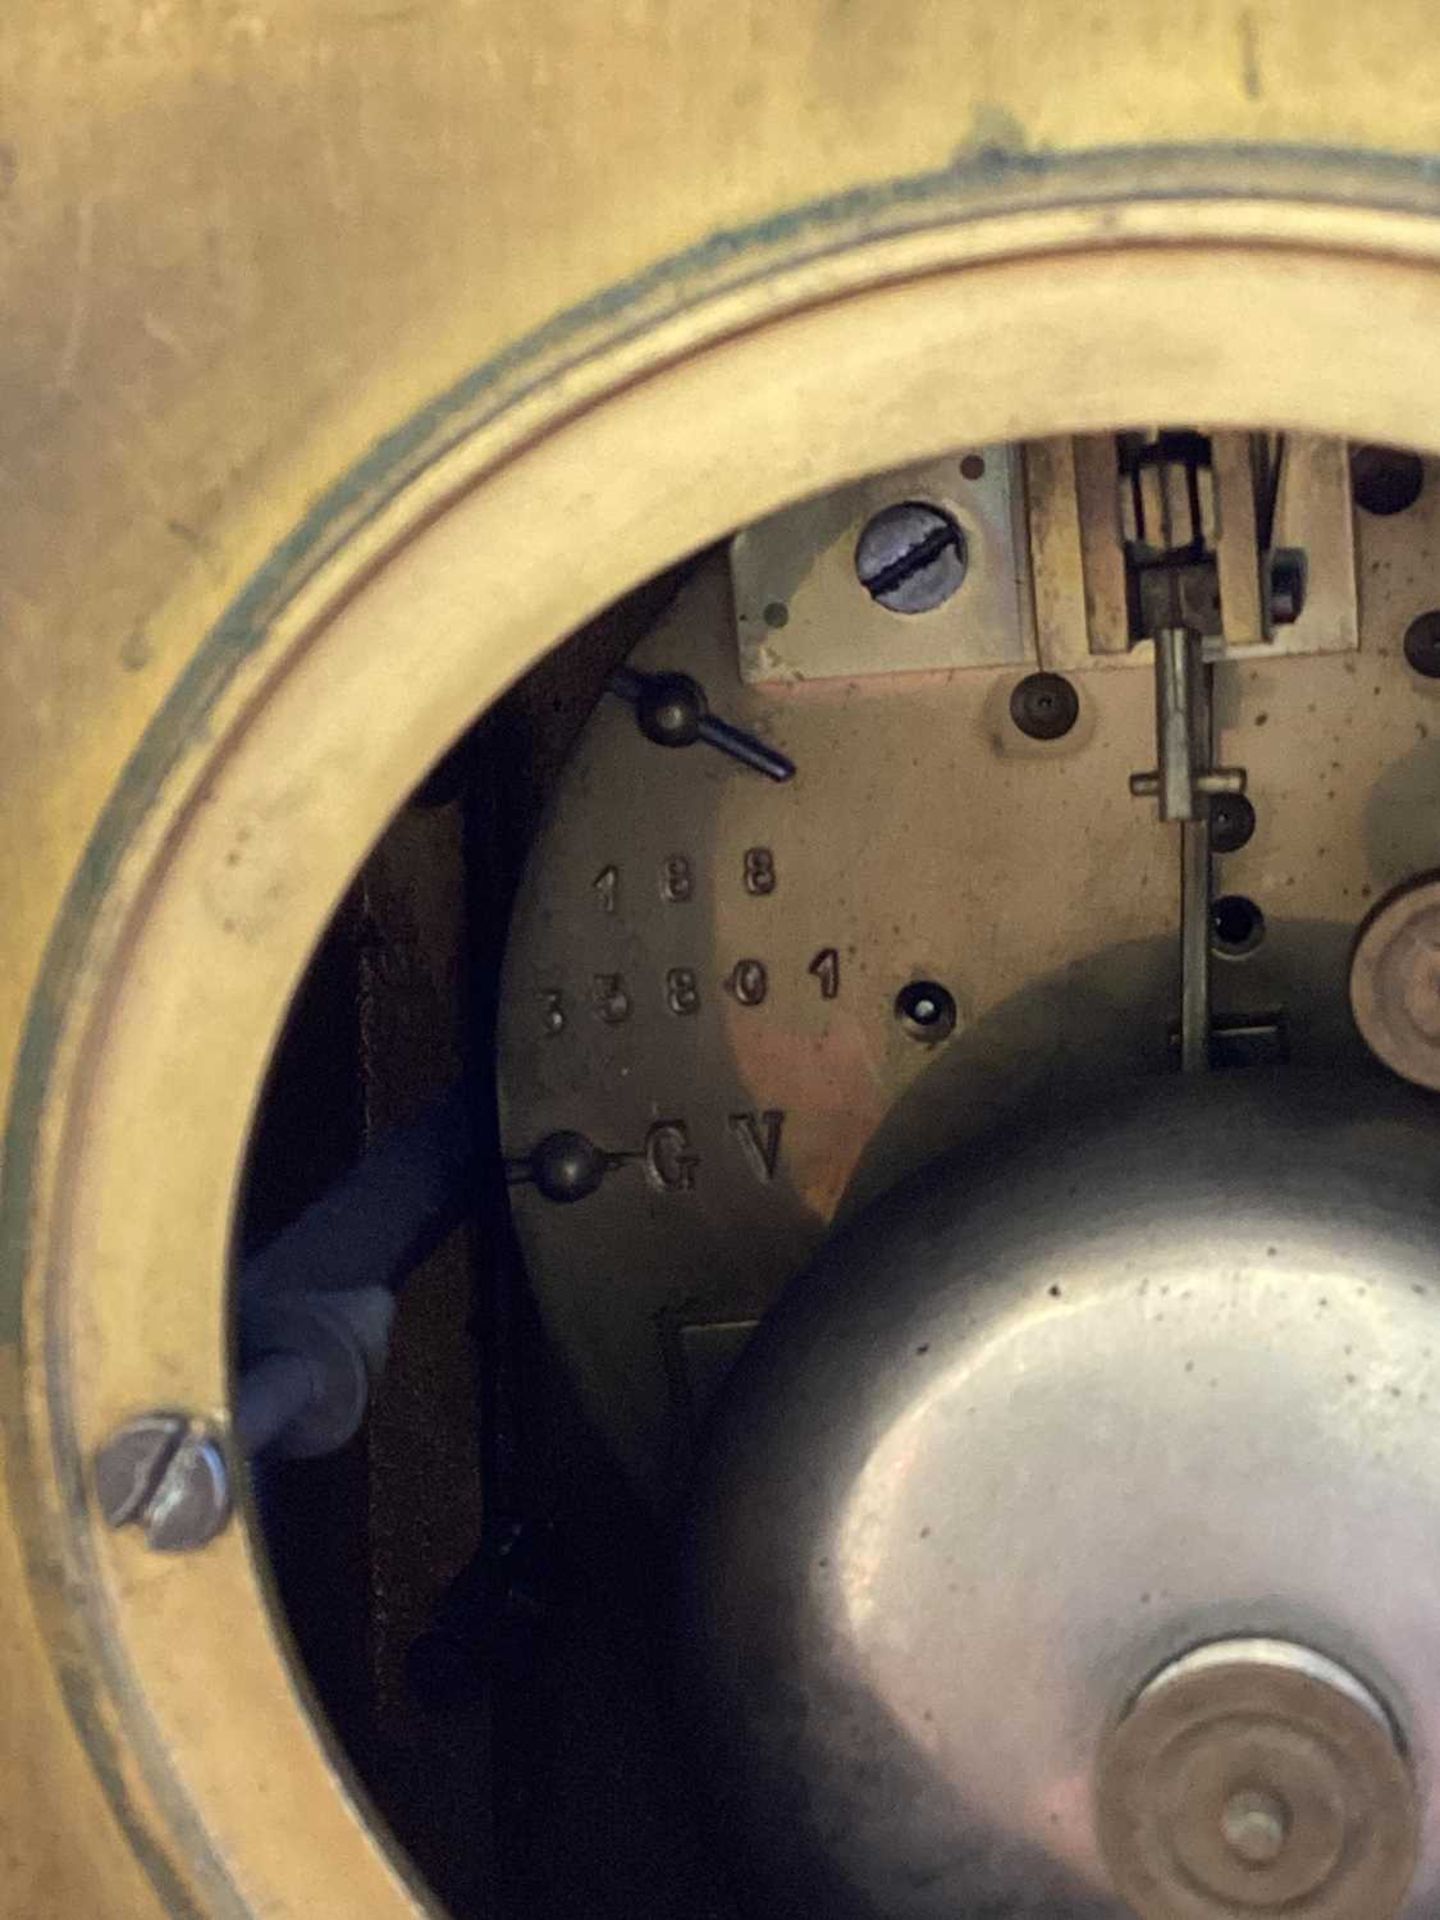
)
(243, 245)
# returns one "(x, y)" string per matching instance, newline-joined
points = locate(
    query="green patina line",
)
(980, 181)
(78, 1688)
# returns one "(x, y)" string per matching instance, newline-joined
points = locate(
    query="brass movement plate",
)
(703, 966)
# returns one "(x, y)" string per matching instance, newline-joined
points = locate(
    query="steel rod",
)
(272, 1393)
(1177, 698)
(1195, 945)
(1195, 872)
(379, 1220)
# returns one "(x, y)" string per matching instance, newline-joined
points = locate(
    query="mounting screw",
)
(168, 1474)
(911, 558)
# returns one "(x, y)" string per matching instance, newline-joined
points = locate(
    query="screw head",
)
(131, 1465)
(911, 558)
(192, 1503)
(168, 1474)
(670, 708)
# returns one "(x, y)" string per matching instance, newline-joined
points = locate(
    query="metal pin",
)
(1146, 786)
(166, 1474)
(672, 710)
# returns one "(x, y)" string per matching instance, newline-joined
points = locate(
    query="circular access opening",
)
(1386, 480)
(911, 557)
(926, 1011)
(1237, 925)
